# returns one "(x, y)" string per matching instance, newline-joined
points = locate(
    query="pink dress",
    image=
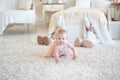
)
(62, 49)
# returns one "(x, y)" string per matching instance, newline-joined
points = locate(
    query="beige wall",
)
(38, 6)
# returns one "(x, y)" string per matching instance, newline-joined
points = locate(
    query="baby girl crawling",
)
(60, 46)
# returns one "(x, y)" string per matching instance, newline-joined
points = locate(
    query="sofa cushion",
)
(25, 4)
(100, 3)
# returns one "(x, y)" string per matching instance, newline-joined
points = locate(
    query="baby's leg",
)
(49, 53)
(87, 44)
(77, 42)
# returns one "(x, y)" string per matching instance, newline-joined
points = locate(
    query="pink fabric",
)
(62, 49)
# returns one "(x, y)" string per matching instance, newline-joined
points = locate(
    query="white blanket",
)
(72, 21)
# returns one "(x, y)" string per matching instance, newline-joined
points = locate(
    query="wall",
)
(38, 6)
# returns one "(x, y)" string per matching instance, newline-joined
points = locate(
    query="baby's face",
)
(61, 38)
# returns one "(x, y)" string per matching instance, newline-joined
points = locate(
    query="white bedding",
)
(104, 10)
(72, 20)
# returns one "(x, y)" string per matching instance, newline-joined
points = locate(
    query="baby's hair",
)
(61, 31)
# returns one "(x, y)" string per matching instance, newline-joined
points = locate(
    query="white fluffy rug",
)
(20, 60)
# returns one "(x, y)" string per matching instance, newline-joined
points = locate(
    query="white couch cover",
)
(9, 13)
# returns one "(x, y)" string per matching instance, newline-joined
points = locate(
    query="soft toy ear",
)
(87, 22)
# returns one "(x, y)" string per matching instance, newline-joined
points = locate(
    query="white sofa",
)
(16, 11)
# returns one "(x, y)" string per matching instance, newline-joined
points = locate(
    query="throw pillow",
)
(83, 3)
(100, 3)
(25, 4)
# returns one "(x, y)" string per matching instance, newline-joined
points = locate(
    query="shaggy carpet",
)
(20, 60)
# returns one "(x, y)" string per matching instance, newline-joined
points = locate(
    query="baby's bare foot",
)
(74, 57)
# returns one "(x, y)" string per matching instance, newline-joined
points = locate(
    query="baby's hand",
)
(57, 60)
(74, 57)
